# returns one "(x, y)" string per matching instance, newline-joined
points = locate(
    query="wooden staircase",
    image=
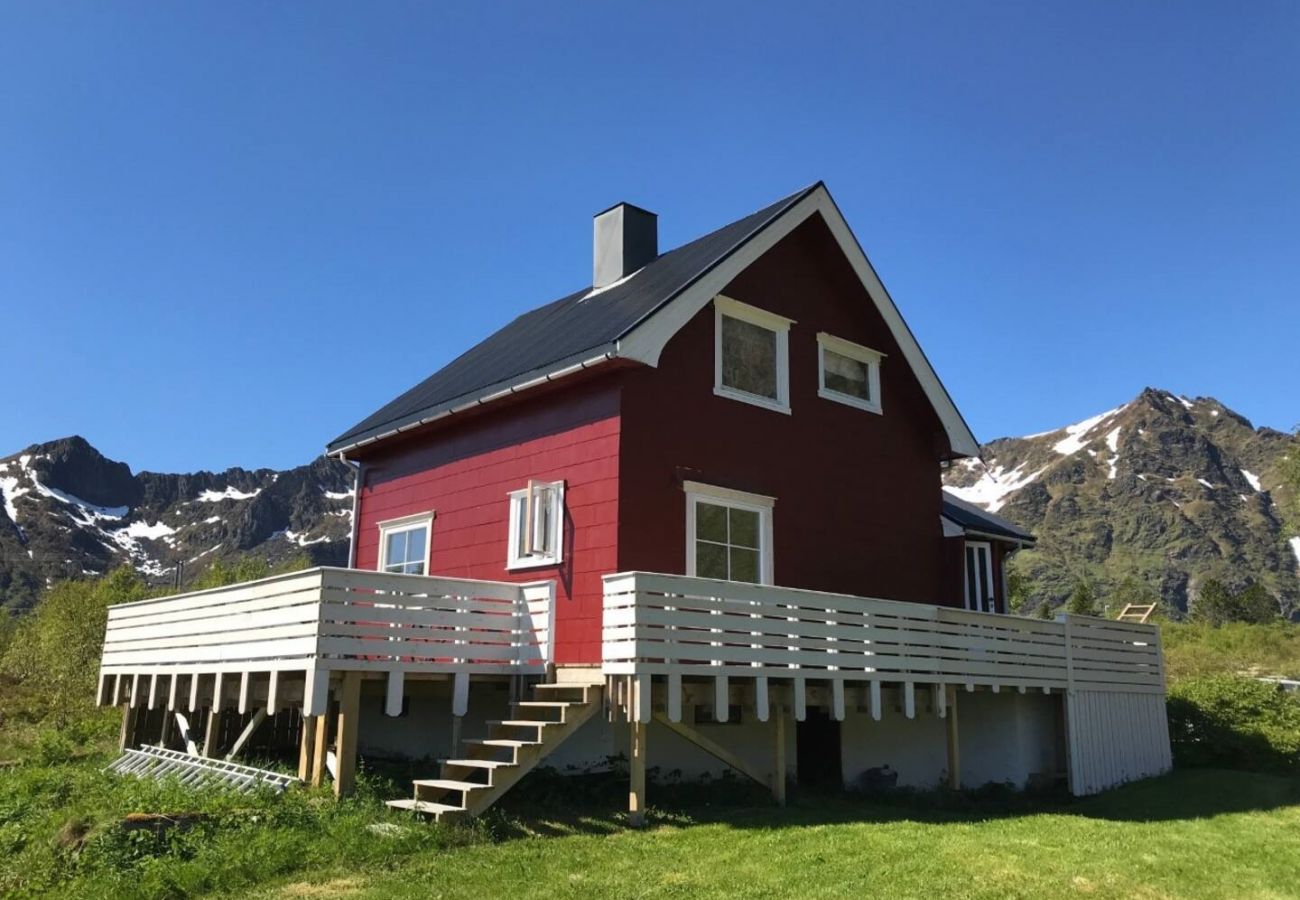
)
(488, 767)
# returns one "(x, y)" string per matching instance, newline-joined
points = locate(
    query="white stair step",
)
(535, 722)
(476, 763)
(424, 806)
(549, 704)
(500, 742)
(449, 784)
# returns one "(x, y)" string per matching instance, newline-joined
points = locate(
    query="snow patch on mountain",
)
(230, 493)
(1253, 479)
(994, 485)
(1295, 548)
(1076, 436)
(1112, 442)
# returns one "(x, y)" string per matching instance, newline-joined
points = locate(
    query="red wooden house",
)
(699, 498)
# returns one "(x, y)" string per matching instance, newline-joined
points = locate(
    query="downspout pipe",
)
(357, 483)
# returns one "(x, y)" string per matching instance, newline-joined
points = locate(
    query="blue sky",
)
(230, 231)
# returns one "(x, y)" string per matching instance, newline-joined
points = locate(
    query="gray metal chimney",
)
(625, 238)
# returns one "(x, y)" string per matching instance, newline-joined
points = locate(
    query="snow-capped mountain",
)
(67, 511)
(1161, 492)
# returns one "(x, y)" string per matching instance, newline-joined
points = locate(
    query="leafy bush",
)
(1195, 650)
(1232, 722)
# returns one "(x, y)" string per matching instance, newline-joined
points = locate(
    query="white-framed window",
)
(404, 544)
(979, 577)
(751, 354)
(848, 373)
(536, 525)
(728, 534)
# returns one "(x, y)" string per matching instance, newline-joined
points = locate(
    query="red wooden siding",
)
(857, 494)
(464, 473)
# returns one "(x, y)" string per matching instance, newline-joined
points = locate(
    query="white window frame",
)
(780, 325)
(406, 523)
(519, 503)
(870, 358)
(987, 547)
(720, 496)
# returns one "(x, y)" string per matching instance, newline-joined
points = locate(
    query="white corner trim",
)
(867, 356)
(646, 342)
(730, 495)
(406, 523)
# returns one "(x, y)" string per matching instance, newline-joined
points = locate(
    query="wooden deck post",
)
(212, 734)
(130, 716)
(346, 750)
(636, 790)
(320, 747)
(954, 749)
(304, 747)
(778, 757)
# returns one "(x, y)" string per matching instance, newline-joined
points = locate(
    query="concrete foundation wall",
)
(425, 730)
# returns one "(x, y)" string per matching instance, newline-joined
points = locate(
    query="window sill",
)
(845, 399)
(752, 399)
(517, 565)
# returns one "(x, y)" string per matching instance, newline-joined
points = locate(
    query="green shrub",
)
(1232, 722)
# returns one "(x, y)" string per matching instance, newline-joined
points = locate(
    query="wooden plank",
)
(273, 692)
(460, 694)
(636, 803)
(305, 747)
(716, 750)
(258, 718)
(320, 749)
(126, 734)
(212, 732)
(675, 697)
(393, 695)
(953, 744)
(778, 757)
(762, 707)
(349, 720)
(875, 699)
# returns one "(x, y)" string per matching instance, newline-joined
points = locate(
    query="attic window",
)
(536, 525)
(848, 373)
(404, 544)
(751, 354)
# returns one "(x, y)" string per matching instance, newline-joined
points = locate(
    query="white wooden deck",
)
(666, 627)
(319, 621)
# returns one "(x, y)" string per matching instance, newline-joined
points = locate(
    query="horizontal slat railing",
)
(326, 618)
(674, 625)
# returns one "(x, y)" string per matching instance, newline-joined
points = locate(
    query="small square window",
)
(536, 525)
(848, 373)
(404, 544)
(751, 355)
(728, 534)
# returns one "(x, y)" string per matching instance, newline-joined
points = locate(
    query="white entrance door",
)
(979, 577)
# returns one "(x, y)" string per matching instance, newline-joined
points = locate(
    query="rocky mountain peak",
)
(67, 510)
(1158, 491)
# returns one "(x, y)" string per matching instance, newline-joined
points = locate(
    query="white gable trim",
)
(646, 342)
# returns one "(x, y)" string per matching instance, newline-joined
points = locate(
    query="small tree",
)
(1044, 610)
(1018, 591)
(1215, 604)
(1083, 602)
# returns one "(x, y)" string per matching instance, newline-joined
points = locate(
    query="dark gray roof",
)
(564, 332)
(971, 518)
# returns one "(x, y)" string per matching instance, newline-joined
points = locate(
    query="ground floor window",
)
(728, 534)
(404, 544)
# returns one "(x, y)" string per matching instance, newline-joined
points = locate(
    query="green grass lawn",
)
(1196, 834)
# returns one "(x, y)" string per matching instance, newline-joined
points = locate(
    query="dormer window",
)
(848, 373)
(536, 525)
(751, 354)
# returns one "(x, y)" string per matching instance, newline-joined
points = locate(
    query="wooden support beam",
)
(245, 685)
(153, 691)
(258, 718)
(126, 737)
(909, 699)
(396, 685)
(320, 747)
(636, 767)
(713, 748)
(165, 737)
(183, 726)
(954, 748)
(349, 719)
(212, 734)
(273, 692)
(304, 747)
(762, 706)
(172, 687)
(675, 697)
(778, 757)
(875, 700)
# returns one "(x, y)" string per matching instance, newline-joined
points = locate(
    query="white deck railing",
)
(674, 625)
(327, 619)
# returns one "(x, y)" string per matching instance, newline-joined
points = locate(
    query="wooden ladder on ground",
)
(488, 767)
(1136, 612)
